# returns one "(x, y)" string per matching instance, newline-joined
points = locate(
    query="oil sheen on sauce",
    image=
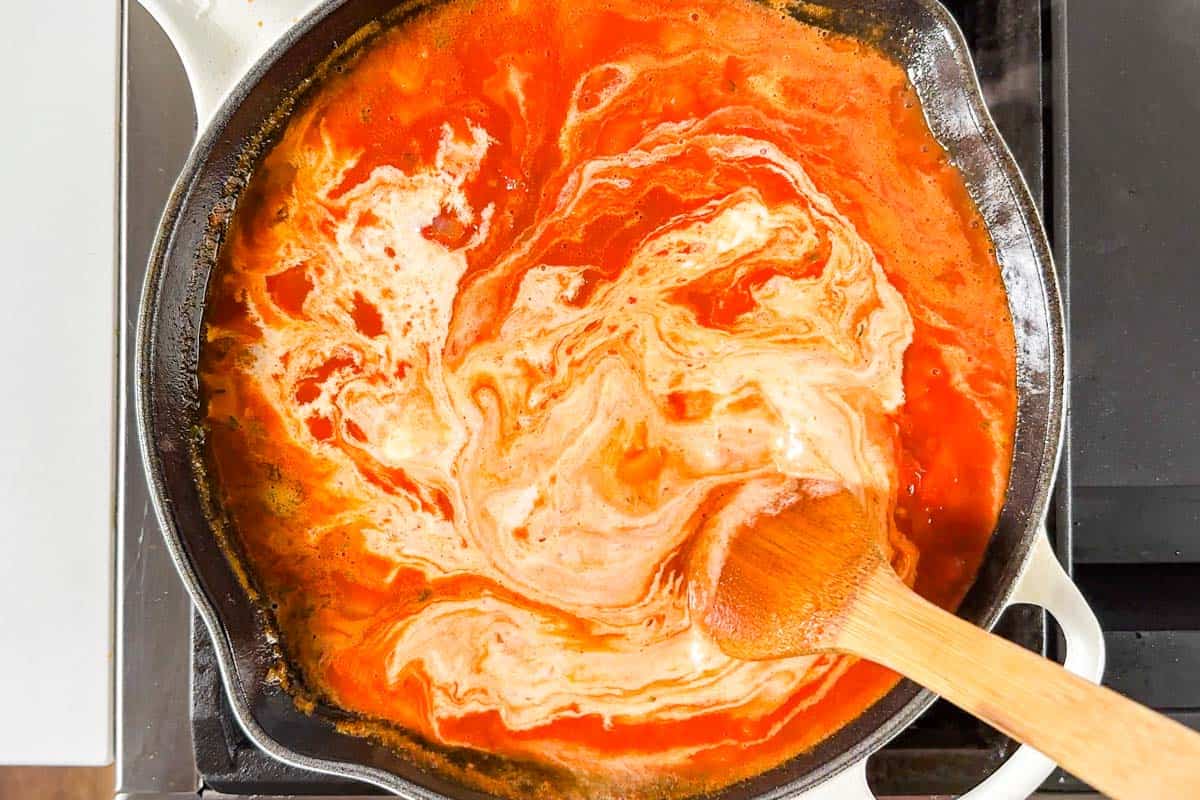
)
(533, 300)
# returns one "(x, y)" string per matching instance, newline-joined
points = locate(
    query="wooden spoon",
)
(814, 578)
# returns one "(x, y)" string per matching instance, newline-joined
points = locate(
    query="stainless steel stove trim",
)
(154, 754)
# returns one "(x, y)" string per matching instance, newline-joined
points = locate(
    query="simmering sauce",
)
(537, 300)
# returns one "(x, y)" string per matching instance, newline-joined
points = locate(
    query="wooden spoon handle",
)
(1118, 746)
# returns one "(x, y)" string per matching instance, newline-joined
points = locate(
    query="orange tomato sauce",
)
(522, 298)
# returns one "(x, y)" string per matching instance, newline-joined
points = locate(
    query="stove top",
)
(1131, 485)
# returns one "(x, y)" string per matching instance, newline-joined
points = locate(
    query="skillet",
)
(238, 125)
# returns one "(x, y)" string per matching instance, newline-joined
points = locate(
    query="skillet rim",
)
(213, 152)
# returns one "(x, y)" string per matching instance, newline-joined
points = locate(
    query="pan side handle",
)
(1046, 584)
(219, 40)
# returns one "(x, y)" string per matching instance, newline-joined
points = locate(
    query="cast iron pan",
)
(918, 33)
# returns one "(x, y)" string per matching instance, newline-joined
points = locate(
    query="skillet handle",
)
(1043, 583)
(219, 40)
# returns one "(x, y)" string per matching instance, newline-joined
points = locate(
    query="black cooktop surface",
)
(1134, 180)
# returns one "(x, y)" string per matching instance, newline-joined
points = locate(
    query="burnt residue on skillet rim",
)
(261, 685)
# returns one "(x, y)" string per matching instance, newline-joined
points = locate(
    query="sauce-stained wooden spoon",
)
(814, 578)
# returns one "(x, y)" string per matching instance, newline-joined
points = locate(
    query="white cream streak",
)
(801, 386)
